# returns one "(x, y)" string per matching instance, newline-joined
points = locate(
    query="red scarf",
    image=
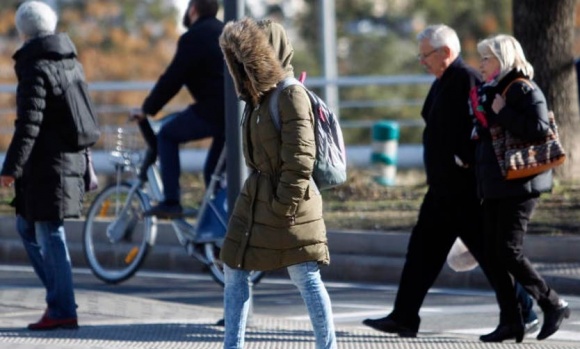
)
(477, 108)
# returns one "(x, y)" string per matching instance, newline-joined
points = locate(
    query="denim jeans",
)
(306, 277)
(45, 244)
(184, 127)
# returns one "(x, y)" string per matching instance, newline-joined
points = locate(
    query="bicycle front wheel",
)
(116, 235)
(216, 266)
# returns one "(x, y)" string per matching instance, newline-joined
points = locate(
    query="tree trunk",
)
(546, 31)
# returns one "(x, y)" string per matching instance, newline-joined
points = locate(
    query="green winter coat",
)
(277, 219)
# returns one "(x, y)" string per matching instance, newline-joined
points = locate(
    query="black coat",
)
(448, 126)
(526, 116)
(49, 176)
(199, 65)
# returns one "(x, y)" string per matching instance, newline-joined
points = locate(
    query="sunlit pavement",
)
(162, 310)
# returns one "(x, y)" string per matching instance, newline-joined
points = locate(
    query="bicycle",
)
(117, 237)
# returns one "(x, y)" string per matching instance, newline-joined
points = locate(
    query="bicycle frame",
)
(211, 217)
(117, 249)
(126, 221)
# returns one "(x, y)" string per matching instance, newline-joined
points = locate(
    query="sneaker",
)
(164, 210)
(46, 323)
(531, 326)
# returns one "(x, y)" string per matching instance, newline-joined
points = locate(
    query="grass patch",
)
(362, 204)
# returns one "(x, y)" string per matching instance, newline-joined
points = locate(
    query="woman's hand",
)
(498, 104)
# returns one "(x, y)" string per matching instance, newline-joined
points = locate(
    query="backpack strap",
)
(286, 82)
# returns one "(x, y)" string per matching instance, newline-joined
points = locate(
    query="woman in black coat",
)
(46, 172)
(511, 100)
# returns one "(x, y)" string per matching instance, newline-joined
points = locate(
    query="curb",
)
(359, 256)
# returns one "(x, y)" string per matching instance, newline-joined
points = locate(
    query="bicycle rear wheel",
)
(116, 240)
(216, 266)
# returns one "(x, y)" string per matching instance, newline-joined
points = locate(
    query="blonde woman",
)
(511, 99)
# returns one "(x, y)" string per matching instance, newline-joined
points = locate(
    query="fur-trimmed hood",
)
(258, 56)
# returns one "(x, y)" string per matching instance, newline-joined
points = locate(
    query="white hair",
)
(35, 18)
(508, 52)
(440, 35)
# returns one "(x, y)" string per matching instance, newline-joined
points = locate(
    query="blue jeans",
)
(526, 303)
(45, 244)
(185, 126)
(306, 276)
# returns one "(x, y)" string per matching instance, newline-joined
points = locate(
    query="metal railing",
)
(410, 154)
(312, 82)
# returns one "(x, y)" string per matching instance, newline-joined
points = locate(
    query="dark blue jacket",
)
(198, 65)
(526, 116)
(448, 126)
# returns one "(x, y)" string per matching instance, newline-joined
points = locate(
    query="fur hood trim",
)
(258, 56)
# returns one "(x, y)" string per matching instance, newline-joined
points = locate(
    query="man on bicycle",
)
(199, 65)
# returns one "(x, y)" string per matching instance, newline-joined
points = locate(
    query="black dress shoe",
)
(504, 332)
(389, 325)
(553, 319)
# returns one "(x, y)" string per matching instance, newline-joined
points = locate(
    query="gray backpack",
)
(330, 164)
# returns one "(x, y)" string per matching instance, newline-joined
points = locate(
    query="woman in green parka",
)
(277, 219)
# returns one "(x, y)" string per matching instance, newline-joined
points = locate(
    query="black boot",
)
(503, 332)
(553, 319)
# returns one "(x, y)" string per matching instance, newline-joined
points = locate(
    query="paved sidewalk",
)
(116, 321)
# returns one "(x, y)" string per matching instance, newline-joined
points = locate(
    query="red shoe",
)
(46, 323)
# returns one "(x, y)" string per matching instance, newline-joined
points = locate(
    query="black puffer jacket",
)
(526, 116)
(49, 176)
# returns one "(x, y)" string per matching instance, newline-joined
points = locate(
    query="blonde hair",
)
(508, 52)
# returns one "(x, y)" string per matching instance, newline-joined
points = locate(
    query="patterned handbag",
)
(519, 158)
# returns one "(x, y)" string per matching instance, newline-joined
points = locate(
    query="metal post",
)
(236, 170)
(328, 54)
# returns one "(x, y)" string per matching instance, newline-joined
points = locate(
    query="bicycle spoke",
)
(117, 237)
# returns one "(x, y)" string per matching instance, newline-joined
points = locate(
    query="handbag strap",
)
(524, 80)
